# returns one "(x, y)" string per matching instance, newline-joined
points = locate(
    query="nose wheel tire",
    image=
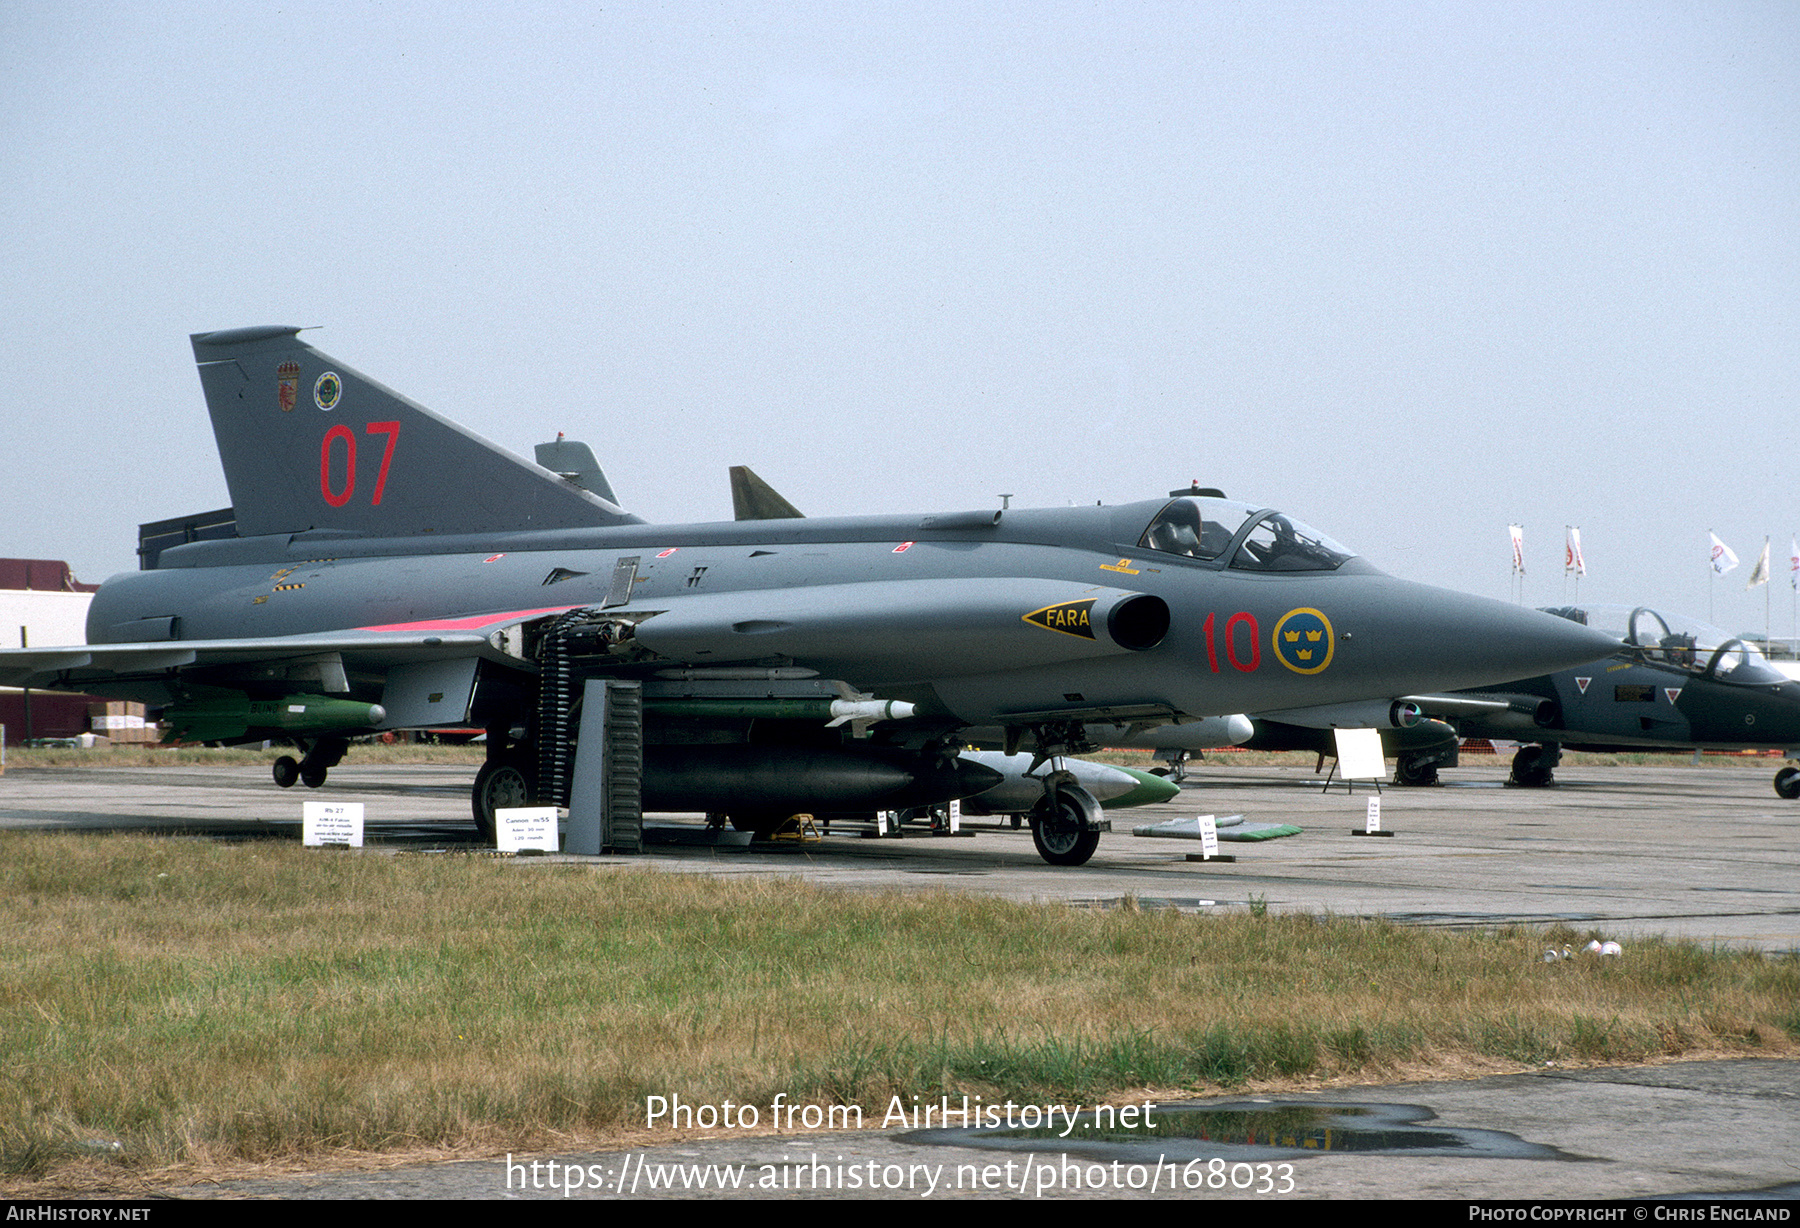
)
(1062, 827)
(1787, 783)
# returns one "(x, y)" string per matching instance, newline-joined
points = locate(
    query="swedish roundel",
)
(1303, 641)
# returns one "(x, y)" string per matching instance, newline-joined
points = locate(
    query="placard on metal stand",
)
(1358, 758)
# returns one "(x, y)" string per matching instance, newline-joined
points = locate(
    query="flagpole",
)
(1723, 559)
(1759, 574)
(1517, 534)
(1794, 595)
(1573, 563)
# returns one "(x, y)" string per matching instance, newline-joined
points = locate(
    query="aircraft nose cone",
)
(1472, 641)
(1239, 729)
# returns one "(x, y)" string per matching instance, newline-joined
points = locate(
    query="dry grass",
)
(202, 1003)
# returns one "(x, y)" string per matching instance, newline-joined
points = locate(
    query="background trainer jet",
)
(1676, 684)
(380, 555)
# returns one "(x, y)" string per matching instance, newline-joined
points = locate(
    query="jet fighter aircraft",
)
(754, 499)
(386, 569)
(1675, 684)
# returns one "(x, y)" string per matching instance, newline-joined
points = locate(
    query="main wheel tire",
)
(312, 777)
(501, 785)
(1413, 770)
(1787, 783)
(1060, 830)
(286, 771)
(1532, 768)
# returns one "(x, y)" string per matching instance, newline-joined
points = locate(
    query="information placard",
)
(519, 828)
(331, 823)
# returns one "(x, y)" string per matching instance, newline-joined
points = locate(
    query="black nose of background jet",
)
(1460, 641)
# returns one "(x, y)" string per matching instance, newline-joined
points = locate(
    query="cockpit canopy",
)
(1252, 538)
(1675, 640)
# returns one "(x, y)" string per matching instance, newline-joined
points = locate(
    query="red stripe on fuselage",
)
(472, 622)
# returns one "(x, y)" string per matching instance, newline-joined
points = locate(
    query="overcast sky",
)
(1411, 272)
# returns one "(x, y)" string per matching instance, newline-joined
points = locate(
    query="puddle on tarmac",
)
(1251, 1130)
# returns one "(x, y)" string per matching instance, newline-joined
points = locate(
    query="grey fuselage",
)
(929, 609)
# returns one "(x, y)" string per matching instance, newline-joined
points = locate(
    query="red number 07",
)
(340, 495)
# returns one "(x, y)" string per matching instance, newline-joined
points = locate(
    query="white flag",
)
(1572, 560)
(1759, 574)
(1723, 560)
(1517, 532)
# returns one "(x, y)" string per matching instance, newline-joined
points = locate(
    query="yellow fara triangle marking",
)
(1066, 618)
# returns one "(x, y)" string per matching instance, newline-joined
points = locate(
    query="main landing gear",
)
(504, 782)
(1416, 770)
(320, 758)
(498, 786)
(1177, 761)
(1787, 783)
(1534, 767)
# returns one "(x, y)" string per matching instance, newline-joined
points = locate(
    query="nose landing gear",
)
(1066, 824)
(320, 758)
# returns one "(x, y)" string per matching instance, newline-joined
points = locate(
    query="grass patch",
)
(197, 1002)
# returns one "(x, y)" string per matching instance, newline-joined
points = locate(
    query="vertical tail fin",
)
(574, 463)
(311, 444)
(754, 499)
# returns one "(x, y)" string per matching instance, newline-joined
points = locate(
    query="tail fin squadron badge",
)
(287, 387)
(1069, 617)
(327, 390)
(1303, 641)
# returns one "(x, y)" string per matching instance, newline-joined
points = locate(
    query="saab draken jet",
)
(383, 568)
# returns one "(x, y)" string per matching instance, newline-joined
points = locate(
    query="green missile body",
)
(233, 716)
